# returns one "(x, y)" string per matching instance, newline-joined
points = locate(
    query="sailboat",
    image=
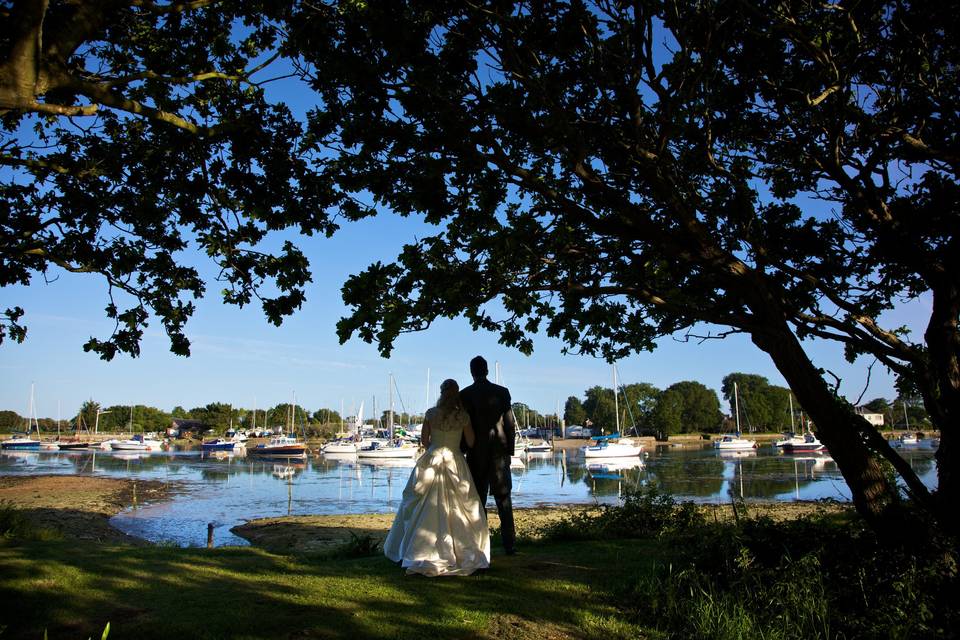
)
(393, 448)
(76, 443)
(906, 438)
(613, 445)
(134, 443)
(733, 441)
(25, 442)
(349, 444)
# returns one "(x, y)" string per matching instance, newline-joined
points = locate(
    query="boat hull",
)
(804, 447)
(129, 446)
(74, 446)
(18, 444)
(286, 451)
(388, 452)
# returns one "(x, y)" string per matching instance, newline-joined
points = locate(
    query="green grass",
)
(163, 592)
(649, 568)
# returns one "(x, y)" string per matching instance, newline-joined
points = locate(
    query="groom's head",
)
(478, 368)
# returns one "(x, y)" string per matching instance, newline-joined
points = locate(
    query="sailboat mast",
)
(616, 405)
(390, 414)
(736, 404)
(427, 405)
(790, 397)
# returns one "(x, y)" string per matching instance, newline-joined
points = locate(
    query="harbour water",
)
(229, 490)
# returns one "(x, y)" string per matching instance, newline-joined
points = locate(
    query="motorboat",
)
(345, 445)
(612, 446)
(133, 444)
(809, 442)
(788, 438)
(280, 446)
(220, 444)
(733, 442)
(396, 449)
(909, 438)
(540, 447)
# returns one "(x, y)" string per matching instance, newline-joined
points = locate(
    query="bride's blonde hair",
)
(449, 399)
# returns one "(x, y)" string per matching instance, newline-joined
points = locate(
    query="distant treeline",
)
(216, 415)
(683, 407)
(691, 407)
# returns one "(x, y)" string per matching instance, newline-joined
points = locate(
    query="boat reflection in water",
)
(607, 473)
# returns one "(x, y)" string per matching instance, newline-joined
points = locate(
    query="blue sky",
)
(238, 357)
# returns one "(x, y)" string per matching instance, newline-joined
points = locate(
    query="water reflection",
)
(229, 489)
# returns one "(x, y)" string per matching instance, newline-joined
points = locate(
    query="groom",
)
(491, 414)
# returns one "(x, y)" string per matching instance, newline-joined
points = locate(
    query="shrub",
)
(647, 512)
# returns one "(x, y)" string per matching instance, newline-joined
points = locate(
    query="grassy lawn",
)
(72, 590)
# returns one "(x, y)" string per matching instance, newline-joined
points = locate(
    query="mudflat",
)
(79, 507)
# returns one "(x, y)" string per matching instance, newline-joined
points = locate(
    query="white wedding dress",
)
(440, 529)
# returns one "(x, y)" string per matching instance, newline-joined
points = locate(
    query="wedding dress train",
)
(440, 529)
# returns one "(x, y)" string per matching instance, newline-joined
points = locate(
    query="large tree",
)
(136, 132)
(607, 173)
(614, 173)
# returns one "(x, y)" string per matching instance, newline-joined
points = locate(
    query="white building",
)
(876, 419)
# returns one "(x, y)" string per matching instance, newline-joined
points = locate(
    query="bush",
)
(647, 512)
(809, 578)
(360, 547)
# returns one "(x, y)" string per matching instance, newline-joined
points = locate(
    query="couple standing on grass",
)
(441, 525)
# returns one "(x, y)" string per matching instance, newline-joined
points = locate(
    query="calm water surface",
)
(229, 491)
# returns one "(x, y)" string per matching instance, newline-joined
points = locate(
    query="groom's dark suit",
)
(491, 414)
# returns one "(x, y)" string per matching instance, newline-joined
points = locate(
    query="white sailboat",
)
(25, 442)
(613, 446)
(349, 444)
(393, 448)
(733, 441)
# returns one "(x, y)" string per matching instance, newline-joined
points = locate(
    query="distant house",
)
(185, 428)
(876, 419)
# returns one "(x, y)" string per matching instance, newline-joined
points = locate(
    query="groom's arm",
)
(510, 424)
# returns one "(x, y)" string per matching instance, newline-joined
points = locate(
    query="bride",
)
(440, 528)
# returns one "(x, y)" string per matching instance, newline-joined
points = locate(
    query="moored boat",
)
(220, 444)
(809, 442)
(395, 449)
(21, 443)
(612, 446)
(280, 446)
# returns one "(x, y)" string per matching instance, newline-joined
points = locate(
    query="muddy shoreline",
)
(79, 507)
(321, 533)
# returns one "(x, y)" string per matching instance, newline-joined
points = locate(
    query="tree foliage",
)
(613, 173)
(573, 411)
(686, 407)
(136, 132)
(763, 407)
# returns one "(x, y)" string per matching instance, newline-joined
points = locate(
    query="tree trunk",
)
(837, 426)
(941, 394)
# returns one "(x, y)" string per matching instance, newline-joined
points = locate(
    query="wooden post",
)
(209, 535)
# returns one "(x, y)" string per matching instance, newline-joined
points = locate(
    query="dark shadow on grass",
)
(162, 592)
